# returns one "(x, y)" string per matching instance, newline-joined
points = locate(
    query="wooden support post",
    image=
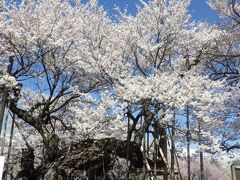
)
(155, 159)
(2, 108)
(128, 142)
(144, 157)
(9, 147)
(179, 172)
(5, 95)
(148, 148)
(173, 148)
(163, 139)
(188, 144)
(201, 166)
(143, 149)
(201, 151)
(4, 132)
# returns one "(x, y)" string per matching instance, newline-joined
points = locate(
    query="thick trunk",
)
(94, 159)
(50, 140)
(51, 149)
(163, 146)
(163, 140)
(147, 117)
(89, 158)
(28, 171)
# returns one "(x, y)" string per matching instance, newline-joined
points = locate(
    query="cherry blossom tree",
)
(83, 74)
(225, 64)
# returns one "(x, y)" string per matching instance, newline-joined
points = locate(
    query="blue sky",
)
(198, 8)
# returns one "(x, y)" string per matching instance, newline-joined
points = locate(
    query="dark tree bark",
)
(50, 140)
(89, 158)
(173, 137)
(201, 166)
(163, 140)
(84, 159)
(28, 171)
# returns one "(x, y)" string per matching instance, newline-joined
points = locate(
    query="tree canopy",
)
(69, 72)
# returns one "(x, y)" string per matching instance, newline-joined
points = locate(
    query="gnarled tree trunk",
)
(28, 171)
